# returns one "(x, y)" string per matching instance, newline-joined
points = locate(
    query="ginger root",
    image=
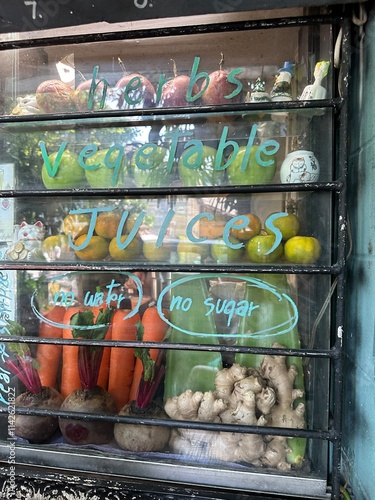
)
(242, 396)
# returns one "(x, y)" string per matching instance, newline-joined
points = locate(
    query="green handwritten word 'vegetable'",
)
(144, 157)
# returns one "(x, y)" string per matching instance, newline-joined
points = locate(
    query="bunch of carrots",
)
(120, 370)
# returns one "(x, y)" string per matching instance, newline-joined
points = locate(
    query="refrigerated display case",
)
(175, 194)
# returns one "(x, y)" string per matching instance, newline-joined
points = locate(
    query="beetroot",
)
(95, 400)
(37, 429)
(90, 398)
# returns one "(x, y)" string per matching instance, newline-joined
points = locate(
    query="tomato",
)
(302, 250)
(258, 246)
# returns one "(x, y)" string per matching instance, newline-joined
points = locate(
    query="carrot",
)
(122, 360)
(104, 365)
(48, 355)
(70, 380)
(154, 330)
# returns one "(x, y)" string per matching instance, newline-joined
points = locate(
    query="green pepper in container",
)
(274, 320)
(190, 322)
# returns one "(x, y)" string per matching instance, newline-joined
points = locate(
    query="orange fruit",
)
(75, 225)
(97, 249)
(302, 250)
(258, 246)
(252, 229)
(288, 225)
(107, 224)
(131, 252)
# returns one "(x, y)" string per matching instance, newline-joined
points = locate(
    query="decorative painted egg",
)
(298, 167)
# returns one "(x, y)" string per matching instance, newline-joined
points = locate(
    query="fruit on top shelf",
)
(136, 91)
(55, 96)
(86, 89)
(178, 91)
(221, 87)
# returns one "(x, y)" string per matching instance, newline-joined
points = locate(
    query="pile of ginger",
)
(243, 396)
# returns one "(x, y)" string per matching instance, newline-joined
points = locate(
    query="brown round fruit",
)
(252, 229)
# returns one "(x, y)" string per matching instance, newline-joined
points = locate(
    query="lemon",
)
(131, 252)
(302, 250)
(97, 249)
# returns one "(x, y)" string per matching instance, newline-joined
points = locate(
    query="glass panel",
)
(220, 386)
(262, 228)
(222, 150)
(167, 71)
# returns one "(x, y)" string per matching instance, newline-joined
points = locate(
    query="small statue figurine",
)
(316, 90)
(259, 94)
(282, 87)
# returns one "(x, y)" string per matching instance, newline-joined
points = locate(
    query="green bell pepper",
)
(193, 370)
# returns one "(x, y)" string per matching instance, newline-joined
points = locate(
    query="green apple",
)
(69, 173)
(196, 167)
(149, 167)
(223, 254)
(104, 169)
(252, 172)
